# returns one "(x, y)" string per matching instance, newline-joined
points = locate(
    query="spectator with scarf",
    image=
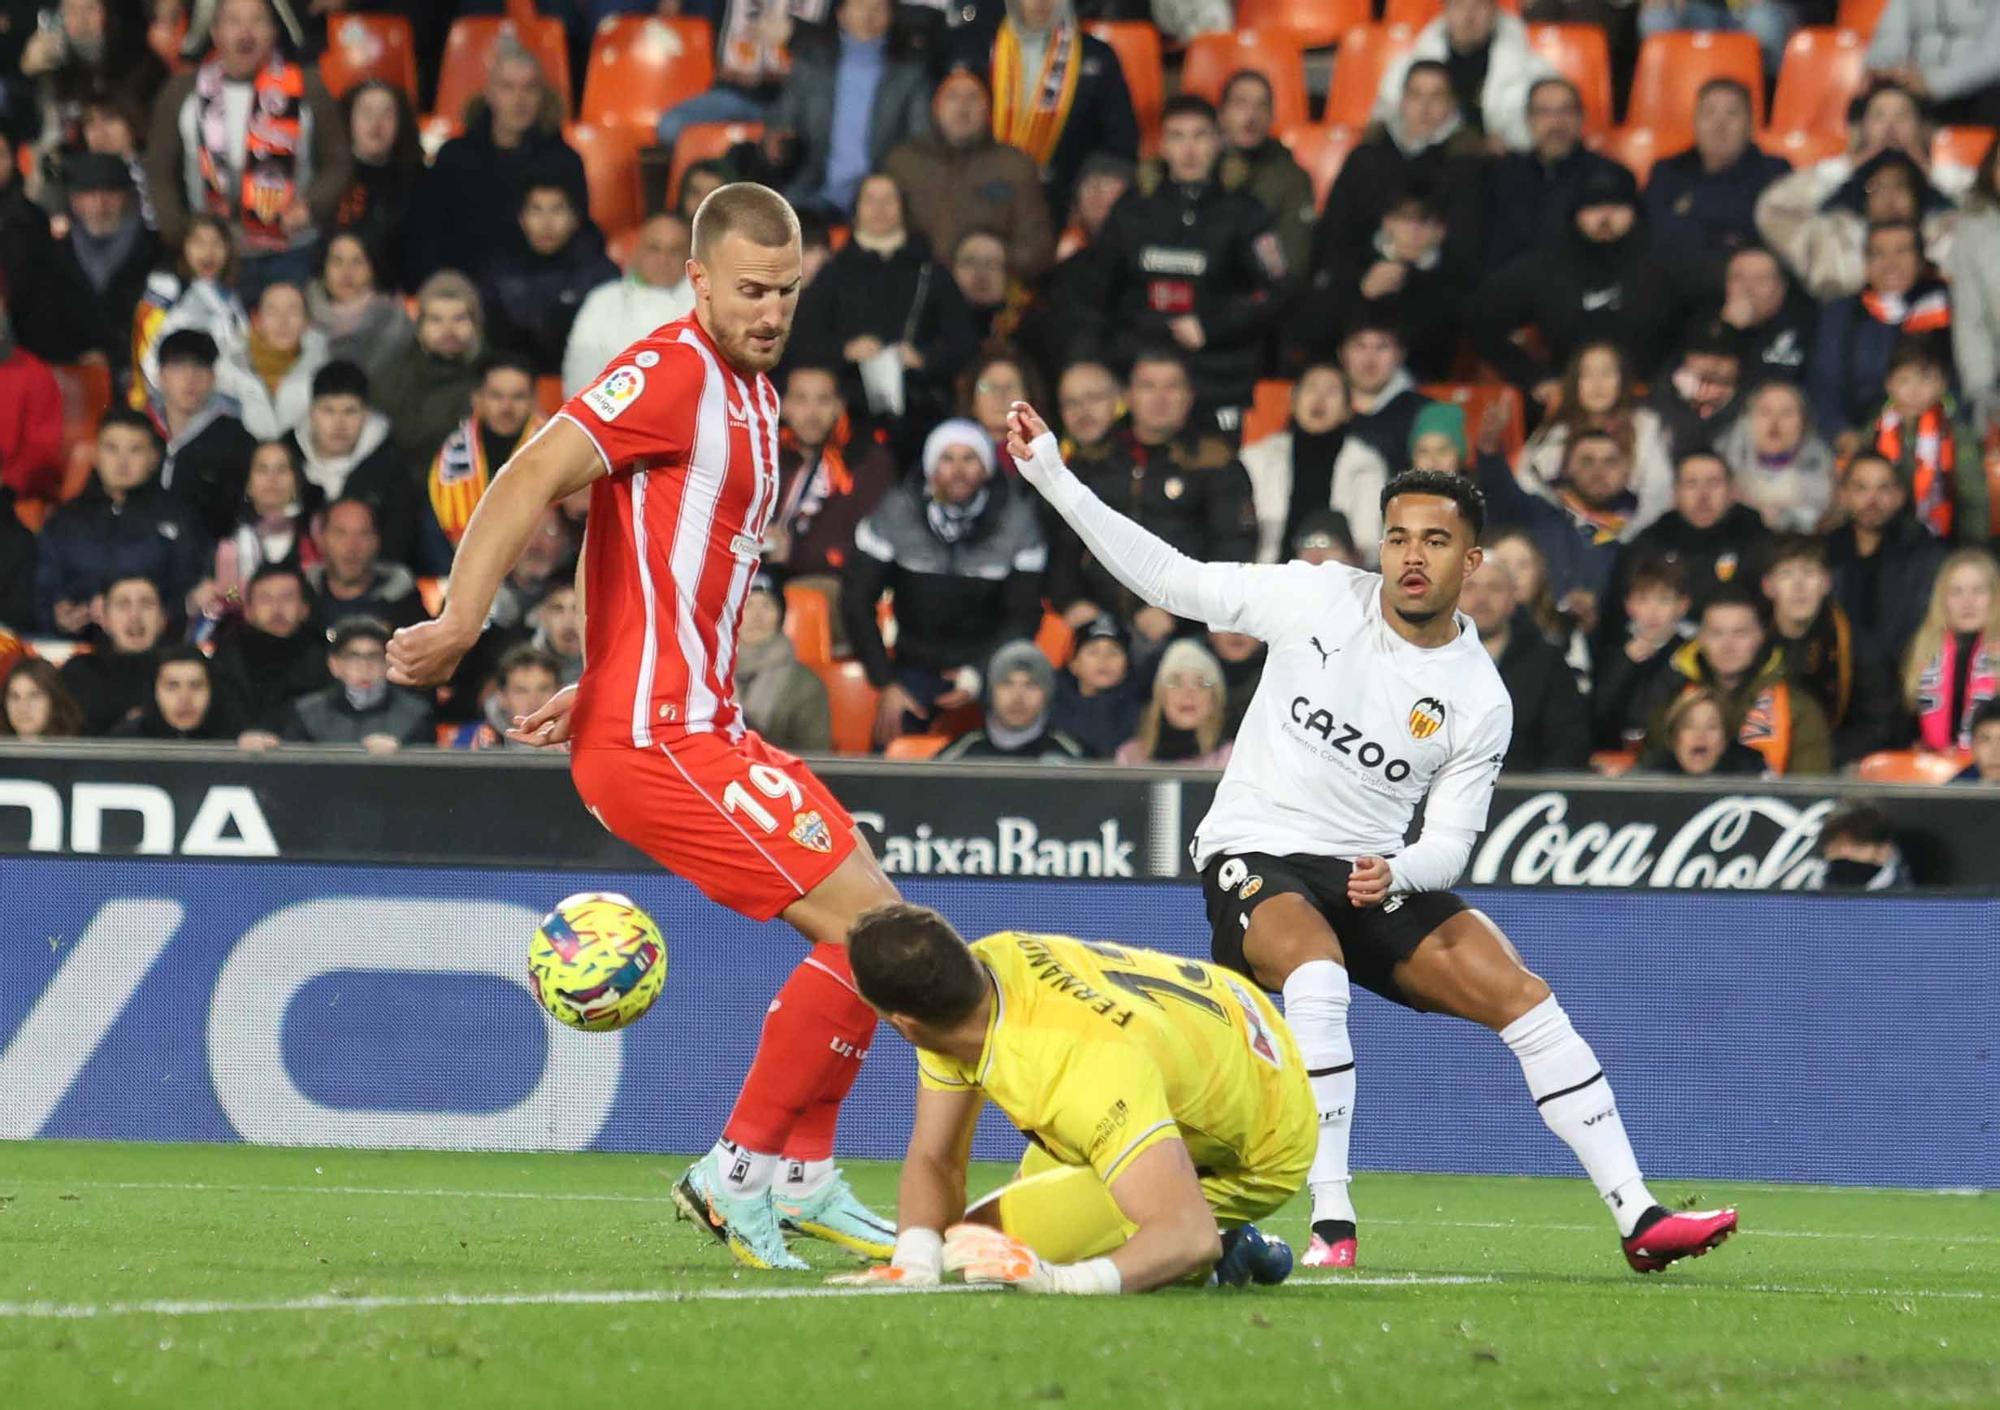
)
(1823, 653)
(1313, 465)
(273, 528)
(1936, 455)
(270, 375)
(1953, 665)
(963, 554)
(198, 294)
(752, 38)
(424, 390)
(619, 312)
(1596, 394)
(105, 258)
(207, 448)
(503, 419)
(1903, 297)
(958, 178)
(1058, 93)
(829, 479)
(1783, 469)
(254, 138)
(1577, 525)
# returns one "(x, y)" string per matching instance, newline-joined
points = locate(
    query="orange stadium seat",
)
(1671, 70)
(1802, 149)
(1965, 146)
(86, 394)
(1270, 408)
(1321, 148)
(1861, 16)
(809, 623)
(699, 141)
(1613, 763)
(362, 46)
(853, 703)
(1475, 397)
(548, 394)
(1314, 23)
(913, 748)
(1418, 13)
(1137, 45)
(640, 66)
(468, 49)
(1822, 72)
(1365, 55)
(1636, 148)
(1579, 53)
(611, 170)
(1056, 638)
(1911, 766)
(1212, 59)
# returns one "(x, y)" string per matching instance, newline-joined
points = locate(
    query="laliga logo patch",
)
(809, 829)
(617, 391)
(1426, 717)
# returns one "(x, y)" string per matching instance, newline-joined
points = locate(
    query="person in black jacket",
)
(17, 569)
(1531, 193)
(1020, 684)
(208, 451)
(1551, 721)
(535, 286)
(1382, 394)
(123, 525)
(113, 680)
(388, 164)
(1856, 691)
(963, 555)
(360, 707)
(107, 256)
(1702, 202)
(1184, 262)
(1097, 698)
(1426, 149)
(463, 214)
(1714, 538)
(343, 451)
(1402, 281)
(1624, 673)
(1598, 283)
(38, 293)
(1883, 560)
(885, 294)
(1183, 484)
(185, 704)
(274, 655)
(1771, 317)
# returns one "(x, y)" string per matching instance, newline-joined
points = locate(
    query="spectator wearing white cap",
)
(963, 555)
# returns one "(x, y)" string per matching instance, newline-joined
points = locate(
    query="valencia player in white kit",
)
(677, 443)
(1376, 697)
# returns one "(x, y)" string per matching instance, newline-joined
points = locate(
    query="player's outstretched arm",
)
(558, 462)
(1149, 566)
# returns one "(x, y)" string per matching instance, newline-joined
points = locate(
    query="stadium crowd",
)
(266, 337)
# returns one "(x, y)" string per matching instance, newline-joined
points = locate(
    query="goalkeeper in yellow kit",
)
(1164, 1100)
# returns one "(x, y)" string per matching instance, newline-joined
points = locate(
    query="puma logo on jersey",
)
(1343, 738)
(1324, 654)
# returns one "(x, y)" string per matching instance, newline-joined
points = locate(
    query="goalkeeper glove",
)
(916, 1263)
(987, 1256)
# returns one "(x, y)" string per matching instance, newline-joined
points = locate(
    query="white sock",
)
(1316, 999)
(1575, 1100)
(744, 1172)
(804, 1177)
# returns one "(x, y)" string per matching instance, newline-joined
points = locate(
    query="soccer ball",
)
(597, 961)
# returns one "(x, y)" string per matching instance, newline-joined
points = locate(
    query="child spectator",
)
(1953, 666)
(1695, 742)
(1313, 465)
(1936, 455)
(557, 623)
(123, 525)
(270, 377)
(1020, 685)
(197, 294)
(361, 323)
(184, 705)
(1782, 469)
(1097, 702)
(1860, 850)
(1182, 724)
(1596, 394)
(523, 682)
(534, 286)
(35, 704)
(1656, 608)
(1985, 765)
(782, 699)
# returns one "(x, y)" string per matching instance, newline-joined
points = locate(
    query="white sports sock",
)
(1575, 1100)
(744, 1172)
(1316, 1000)
(804, 1177)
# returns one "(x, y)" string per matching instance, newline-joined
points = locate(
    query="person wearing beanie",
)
(1020, 692)
(1600, 283)
(963, 555)
(782, 699)
(106, 257)
(1437, 439)
(1183, 724)
(1097, 700)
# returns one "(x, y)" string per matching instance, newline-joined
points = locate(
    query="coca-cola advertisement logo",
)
(1738, 842)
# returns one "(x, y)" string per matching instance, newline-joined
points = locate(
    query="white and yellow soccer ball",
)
(597, 961)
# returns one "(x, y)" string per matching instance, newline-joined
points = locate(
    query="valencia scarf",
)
(1030, 113)
(460, 474)
(259, 194)
(1935, 727)
(1932, 465)
(1926, 308)
(816, 481)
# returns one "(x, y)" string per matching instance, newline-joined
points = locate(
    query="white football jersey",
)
(1351, 725)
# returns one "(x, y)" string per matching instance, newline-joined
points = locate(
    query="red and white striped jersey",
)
(674, 536)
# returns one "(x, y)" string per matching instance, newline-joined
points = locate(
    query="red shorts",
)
(748, 824)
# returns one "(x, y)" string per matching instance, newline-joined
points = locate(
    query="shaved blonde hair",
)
(756, 212)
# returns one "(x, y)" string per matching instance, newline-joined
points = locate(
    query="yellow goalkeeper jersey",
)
(1098, 1052)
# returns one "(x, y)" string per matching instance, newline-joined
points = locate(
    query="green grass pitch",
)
(227, 1277)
